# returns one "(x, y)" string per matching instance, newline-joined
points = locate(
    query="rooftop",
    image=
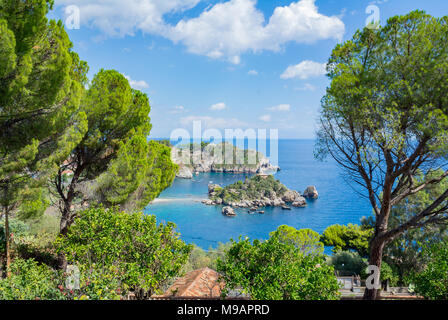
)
(201, 283)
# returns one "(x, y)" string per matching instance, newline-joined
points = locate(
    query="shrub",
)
(142, 254)
(30, 281)
(348, 263)
(275, 270)
(432, 282)
(18, 229)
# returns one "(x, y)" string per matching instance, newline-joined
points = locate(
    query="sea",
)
(339, 202)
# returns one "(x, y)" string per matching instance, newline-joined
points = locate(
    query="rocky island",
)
(222, 157)
(255, 193)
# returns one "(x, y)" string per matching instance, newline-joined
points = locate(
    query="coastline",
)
(171, 200)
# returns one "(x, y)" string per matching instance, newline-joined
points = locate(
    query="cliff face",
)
(219, 158)
(257, 192)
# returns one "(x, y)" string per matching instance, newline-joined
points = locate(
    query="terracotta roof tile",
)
(198, 283)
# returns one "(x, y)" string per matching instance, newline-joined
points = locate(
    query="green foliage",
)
(126, 172)
(31, 239)
(30, 281)
(199, 258)
(254, 188)
(143, 254)
(348, 263)
(432, 282)
(165, 142)
(159, 175)
(18, 228)
(405, 253)
(114, 157)
(350, 237)
(274, 270)
(388, 274)
(306, 240)
(41, 81)
(96, 283)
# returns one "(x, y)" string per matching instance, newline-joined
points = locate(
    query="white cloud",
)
(281, 107)
(137, 84)
(225, 30)
(213, 122)
(253, 72)
(306, 87)
(232, 28)
(305, 70)
(266, 118)
(118, 18)
(178, 109)
(218, 106)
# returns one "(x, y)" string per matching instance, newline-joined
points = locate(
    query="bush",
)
(30, 281)
(432, 282)
(18, 229)
(96, 283)
(348, 263)
(275, 270)
(200, 258)
(141, 254)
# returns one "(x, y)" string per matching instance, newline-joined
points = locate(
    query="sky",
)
(231, 64)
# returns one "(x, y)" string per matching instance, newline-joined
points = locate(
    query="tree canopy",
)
(350, 237)
(113, 164)
(384, 118)
(306, 240)
(277, 270)
(39, 85)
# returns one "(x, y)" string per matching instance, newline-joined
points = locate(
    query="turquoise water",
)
(205, 226)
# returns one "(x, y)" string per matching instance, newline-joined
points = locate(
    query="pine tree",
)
(38, 89)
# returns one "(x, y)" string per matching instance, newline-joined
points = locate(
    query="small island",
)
(254, 193)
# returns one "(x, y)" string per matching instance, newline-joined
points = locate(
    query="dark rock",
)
(311, 192)
(228, 211)
(300, 202)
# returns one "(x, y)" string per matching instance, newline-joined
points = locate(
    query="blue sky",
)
(230, 63)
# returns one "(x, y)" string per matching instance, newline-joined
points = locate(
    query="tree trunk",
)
(375, 259)
(66, 214)
(63, 229)
(8, 243)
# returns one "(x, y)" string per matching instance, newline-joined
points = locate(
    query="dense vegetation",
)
(432, 282)
(230, 156)
(140, 254)
(116, 253)
(350, 237)
(254, 188)
(277, 269)
(67, 142)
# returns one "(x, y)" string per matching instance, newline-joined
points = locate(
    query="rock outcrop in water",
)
(228, 211)
(257, 192)
(219, 158)
(311, 192)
